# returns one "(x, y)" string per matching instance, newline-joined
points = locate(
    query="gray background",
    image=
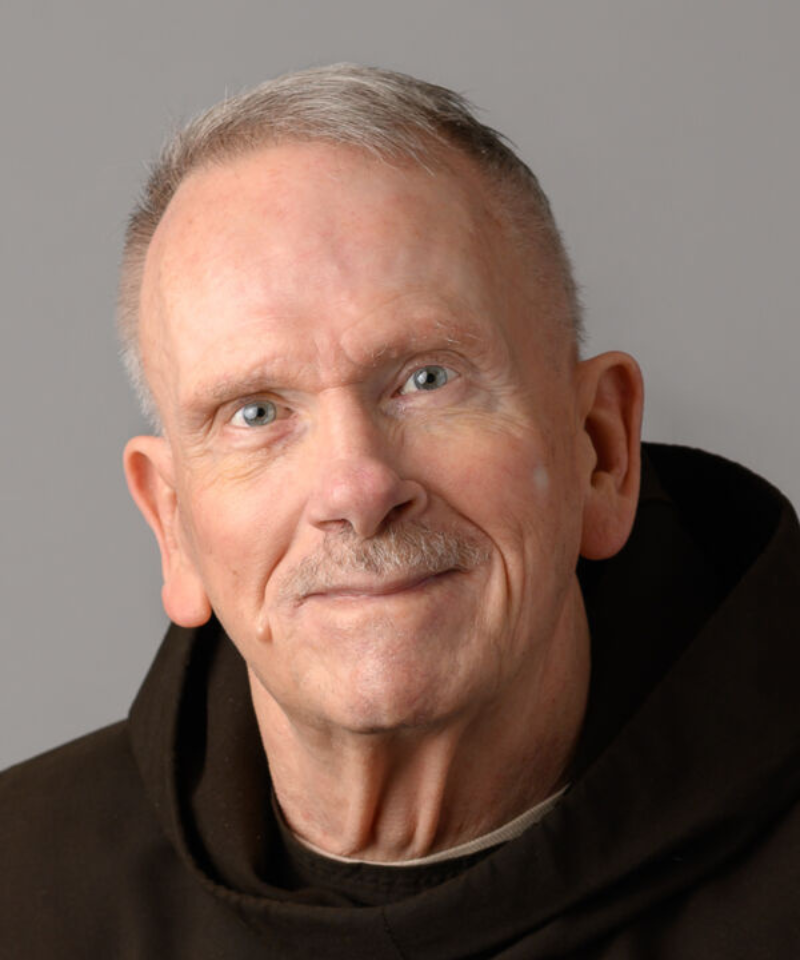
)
(665, 132)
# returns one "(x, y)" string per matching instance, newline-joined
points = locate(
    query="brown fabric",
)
(680, 837)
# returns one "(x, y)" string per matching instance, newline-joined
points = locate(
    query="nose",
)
(357, 483)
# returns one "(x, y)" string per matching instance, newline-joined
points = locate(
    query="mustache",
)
(410, 549)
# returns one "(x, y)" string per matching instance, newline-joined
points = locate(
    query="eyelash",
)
(451, 376)
(255, 403)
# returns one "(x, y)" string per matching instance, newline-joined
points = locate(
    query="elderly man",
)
(451, 676)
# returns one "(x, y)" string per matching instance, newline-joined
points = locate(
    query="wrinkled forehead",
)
(301, 231)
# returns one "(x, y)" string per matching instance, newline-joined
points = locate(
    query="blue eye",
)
(257, 414)
(430, 377)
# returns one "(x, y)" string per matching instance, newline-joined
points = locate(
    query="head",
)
(380, 455)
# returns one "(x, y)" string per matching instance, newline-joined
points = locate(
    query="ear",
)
(611, 398)
(151, 481)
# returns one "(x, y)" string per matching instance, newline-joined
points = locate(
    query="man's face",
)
(372, 429)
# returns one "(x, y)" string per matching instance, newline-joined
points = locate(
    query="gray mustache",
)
(410, 549)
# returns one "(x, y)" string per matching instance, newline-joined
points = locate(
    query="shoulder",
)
(91, 778)
(88, 869)
(72, 803)
(74, 823)
(746, 908)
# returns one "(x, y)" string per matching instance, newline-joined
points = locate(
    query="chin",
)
(376, 668)
(383, 722)
(394, 704)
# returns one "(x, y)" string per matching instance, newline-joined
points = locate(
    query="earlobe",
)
(611, 395)
(150, 476)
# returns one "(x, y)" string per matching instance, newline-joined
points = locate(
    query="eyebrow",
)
(229, 387)
(273, 373)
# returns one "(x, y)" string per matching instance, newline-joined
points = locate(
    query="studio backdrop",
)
(665, 134)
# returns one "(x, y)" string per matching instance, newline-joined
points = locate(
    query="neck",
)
(405, 794)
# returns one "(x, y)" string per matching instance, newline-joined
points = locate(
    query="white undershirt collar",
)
(508, 831)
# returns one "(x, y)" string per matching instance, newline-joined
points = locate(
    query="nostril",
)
(397, 512)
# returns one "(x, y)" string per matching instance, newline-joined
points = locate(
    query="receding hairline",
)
(438, 124)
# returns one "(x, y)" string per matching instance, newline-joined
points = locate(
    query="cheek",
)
(491, 475)
(541, 480)
(238, 534)
(518, 491)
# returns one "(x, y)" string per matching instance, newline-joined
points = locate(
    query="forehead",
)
(298, 245)
(312, 209)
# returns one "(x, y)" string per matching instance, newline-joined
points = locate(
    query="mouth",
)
(376, 589)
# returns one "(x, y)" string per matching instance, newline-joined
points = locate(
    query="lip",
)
(376, 590)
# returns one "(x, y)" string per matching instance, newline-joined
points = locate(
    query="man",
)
(451, 675)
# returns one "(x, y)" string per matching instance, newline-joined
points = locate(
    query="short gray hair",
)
(389, 115)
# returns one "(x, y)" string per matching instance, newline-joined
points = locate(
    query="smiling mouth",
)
(376, 590)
